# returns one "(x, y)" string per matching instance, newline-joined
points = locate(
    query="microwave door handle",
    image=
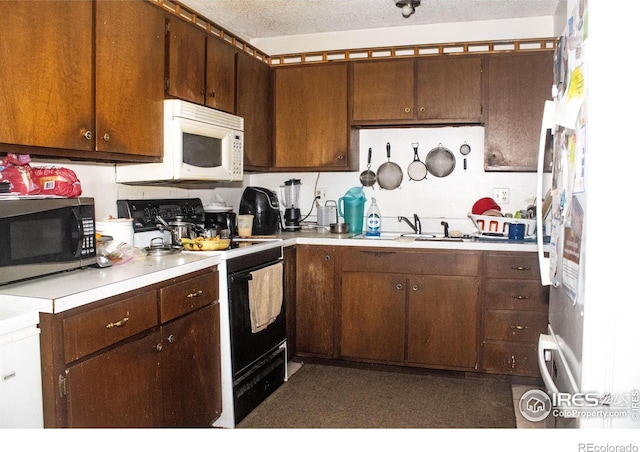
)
(77, 232)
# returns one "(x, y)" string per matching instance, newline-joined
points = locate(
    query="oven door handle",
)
(240, 278)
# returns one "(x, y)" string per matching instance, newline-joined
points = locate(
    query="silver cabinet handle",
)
(88, 134)
(106, 137)
(171, 339)
(519, 327)
(399, 286)
(415, 287)
(195, 294)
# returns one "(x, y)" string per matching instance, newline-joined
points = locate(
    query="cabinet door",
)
(442, 321)
(449, 89)
(186, 61)
(373, 316)
(129, 78)
(118, 388)
(311, 130)
(191, 381)
(220, 75)
(518, 85)
(315, 293)
(289, 254)
(255, 105)
(46, 80)
(383, 90)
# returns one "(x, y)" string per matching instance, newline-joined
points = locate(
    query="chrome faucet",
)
(416, 226)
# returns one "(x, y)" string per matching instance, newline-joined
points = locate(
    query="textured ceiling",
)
(251, 19)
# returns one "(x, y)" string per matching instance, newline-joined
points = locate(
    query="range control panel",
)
(145, 211)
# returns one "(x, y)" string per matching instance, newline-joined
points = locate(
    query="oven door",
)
(248, 347)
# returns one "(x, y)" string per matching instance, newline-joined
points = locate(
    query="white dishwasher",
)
(20, 378)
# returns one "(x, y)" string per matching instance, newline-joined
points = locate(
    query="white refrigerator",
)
(590, 357)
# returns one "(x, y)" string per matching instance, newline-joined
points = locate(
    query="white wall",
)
(449, 197)
(432, 199)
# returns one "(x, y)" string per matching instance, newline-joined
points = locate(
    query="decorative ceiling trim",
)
(374, 53)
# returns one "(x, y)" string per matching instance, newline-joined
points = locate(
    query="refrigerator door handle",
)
(546, 342)
(547, 123)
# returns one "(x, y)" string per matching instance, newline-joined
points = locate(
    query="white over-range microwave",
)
(200, 145)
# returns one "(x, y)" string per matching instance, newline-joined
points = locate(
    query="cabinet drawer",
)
(523, 295)
(98, 328)
(509, 358)
(454, 263)
(189, 295)
(514, 325)
(513, 266)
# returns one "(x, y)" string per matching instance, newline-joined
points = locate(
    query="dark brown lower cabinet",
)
(418, 308)
(108, 390)
(373, 316)
(190, 369)
(515, 313)
(146, 358)
(315, 300)
(442, 321)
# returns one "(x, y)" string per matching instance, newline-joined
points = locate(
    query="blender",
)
(290, 193)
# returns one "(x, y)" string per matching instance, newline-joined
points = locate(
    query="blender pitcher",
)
(290, 194)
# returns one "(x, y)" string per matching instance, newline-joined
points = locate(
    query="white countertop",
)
(322, 237)
(21, 302)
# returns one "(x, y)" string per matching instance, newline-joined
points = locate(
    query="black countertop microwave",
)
(45, 235)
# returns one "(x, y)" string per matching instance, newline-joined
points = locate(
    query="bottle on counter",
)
(374, 219)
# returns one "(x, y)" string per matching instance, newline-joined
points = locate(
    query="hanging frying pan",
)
(464, 150)
(389, 173)
(440, 161)
(368, 177)
(416, 170)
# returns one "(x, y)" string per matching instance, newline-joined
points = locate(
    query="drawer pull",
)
(118, 324)
(399, 286)
(520, 268)
(415, 287)
(513, 361)
(171, 338)
(195, 294)
(519, 327)
(519, 297)
(158, 347)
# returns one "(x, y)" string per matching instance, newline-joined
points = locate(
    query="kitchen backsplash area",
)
(432, 199)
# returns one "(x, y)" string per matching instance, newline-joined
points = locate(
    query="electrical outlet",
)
(322, 193)
(501, 195)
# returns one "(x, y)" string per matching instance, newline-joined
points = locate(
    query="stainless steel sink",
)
(432, 238)
(409, 236)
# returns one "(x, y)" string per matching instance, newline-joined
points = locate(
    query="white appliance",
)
(200, 145)
(589, 358)
(20, 378)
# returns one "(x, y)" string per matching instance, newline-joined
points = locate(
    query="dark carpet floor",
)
(323, 396)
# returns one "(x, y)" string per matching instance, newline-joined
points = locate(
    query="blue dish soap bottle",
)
(374, 220)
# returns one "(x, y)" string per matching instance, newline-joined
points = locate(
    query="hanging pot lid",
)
(440, 161)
